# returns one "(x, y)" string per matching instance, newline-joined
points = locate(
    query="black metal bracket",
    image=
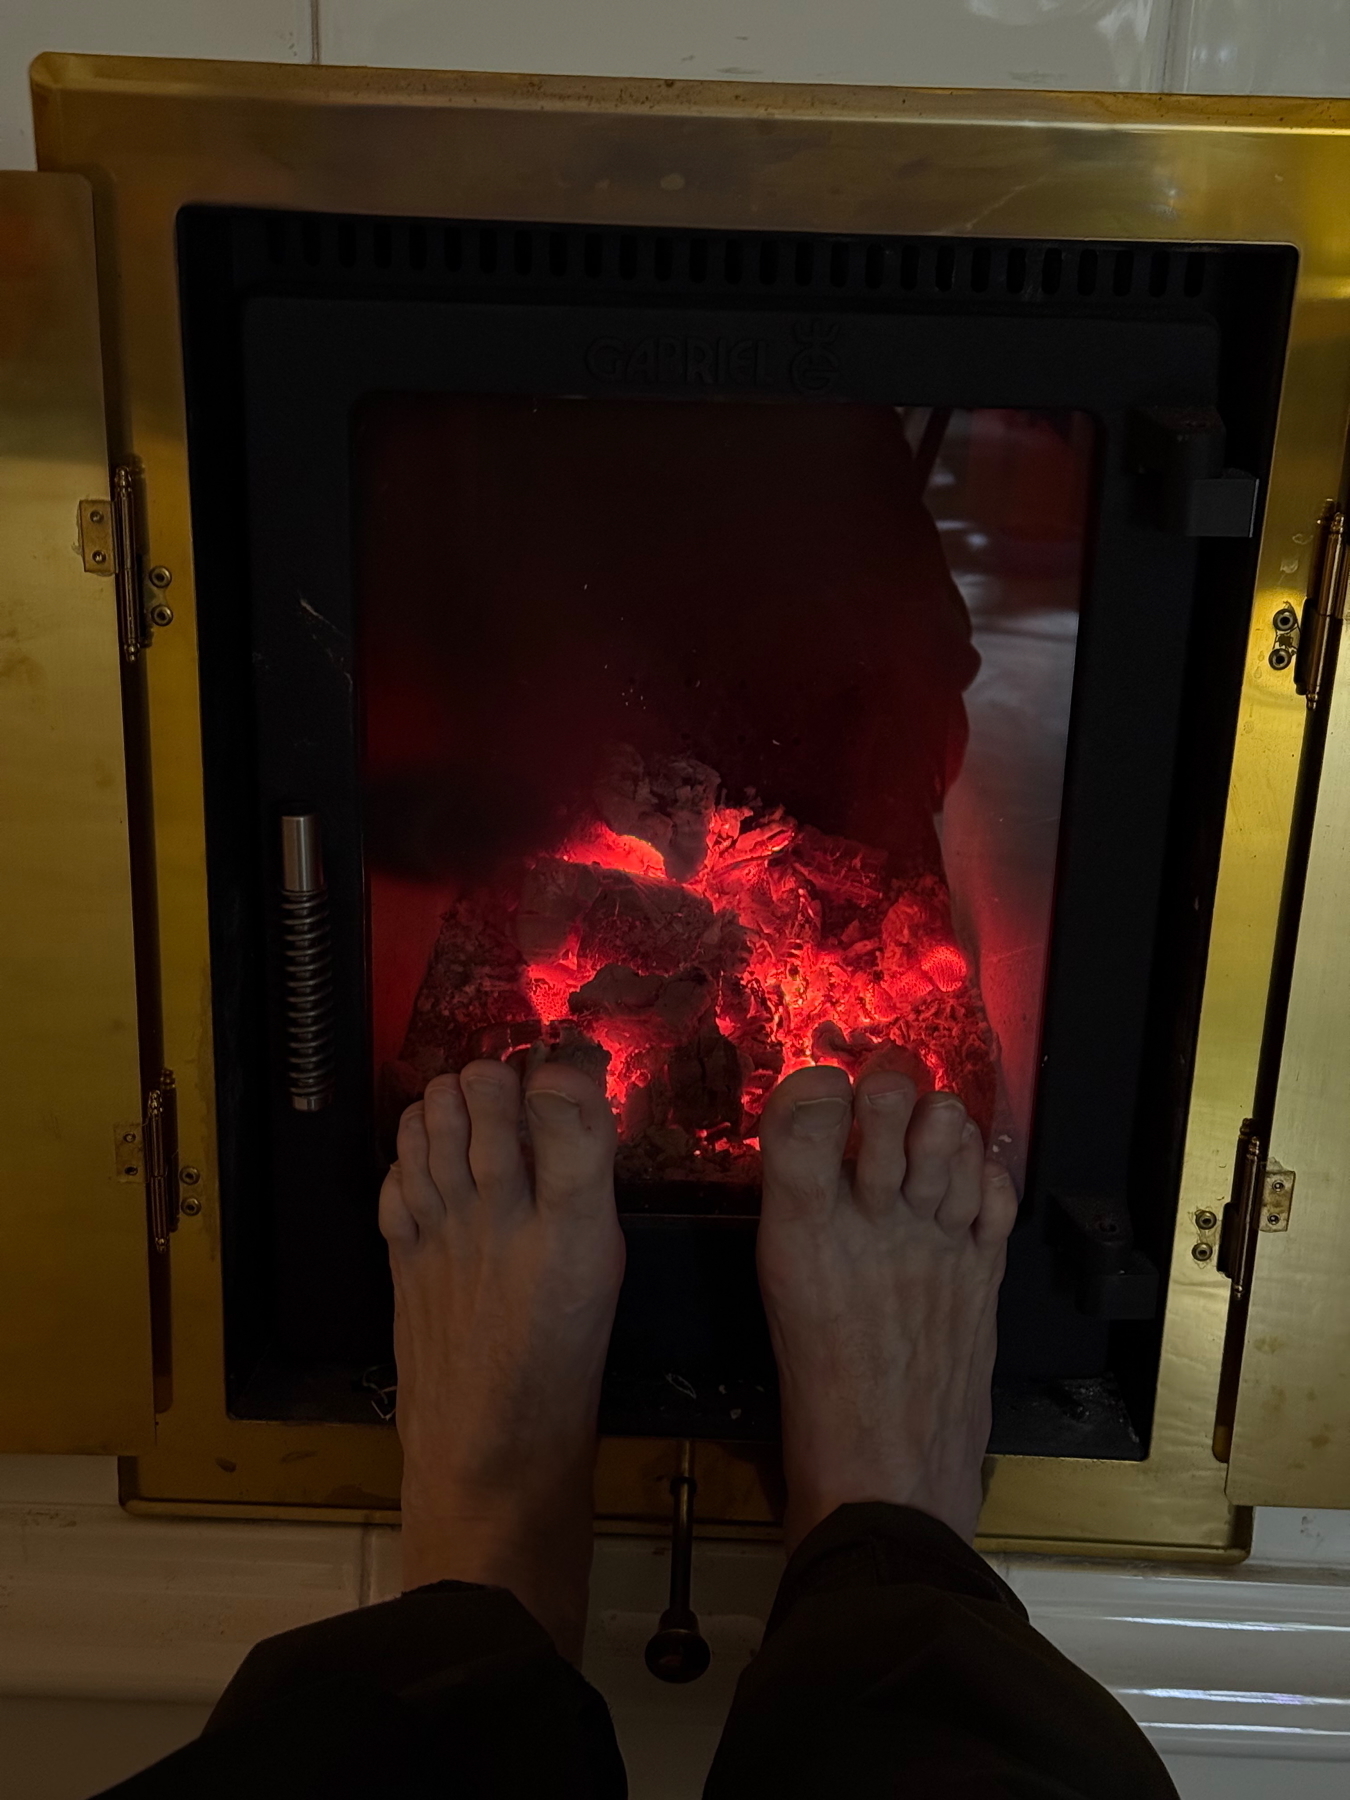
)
(1177, 453)
(1095, 1240)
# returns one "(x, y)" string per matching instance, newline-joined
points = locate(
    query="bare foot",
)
(880, 1282)
(505, 1287)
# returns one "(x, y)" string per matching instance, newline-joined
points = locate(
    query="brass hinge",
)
(110, 544)
(161, 1159)
(1324, 609)
(1237, 1238)
(1263, 1193)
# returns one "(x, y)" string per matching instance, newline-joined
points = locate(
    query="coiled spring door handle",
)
(308, 955)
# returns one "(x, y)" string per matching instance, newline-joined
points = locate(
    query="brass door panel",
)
(74, 1292)
(1291, 1434)
(704, 156)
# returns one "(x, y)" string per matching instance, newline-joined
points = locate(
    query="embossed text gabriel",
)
(810, 364)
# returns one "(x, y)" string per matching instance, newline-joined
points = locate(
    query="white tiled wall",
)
(1259, 47)
(917, 43)
(1199, 46)
(239, 30)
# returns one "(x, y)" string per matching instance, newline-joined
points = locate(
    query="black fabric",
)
(895, 1663)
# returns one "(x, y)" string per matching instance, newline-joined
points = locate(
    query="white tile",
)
(1256, 1778)
(58, 1480)
(1260, 47)
(97, 1604)
(1286, 1535)
(913, 43)
(239, 30)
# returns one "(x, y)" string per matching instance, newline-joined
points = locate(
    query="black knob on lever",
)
(679, 1651)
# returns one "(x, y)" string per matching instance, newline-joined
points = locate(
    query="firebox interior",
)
(702, 656)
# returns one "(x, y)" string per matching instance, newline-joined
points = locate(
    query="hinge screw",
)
(159, 576)
(1272, 1218)
(1277, 1187)
(1280, 657)
(161, 613)
(190, 1205)
(1285, 619)
(189, 1175)
(1206, 1220)
(1202, 1252)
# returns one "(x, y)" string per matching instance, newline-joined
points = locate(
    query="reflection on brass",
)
(96, 537)
(1277, 1198)
(1171, 169)
(74, 1306)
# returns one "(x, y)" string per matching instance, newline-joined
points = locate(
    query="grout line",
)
(1175, 58)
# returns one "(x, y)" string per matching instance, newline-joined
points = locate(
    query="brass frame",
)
(74, 1300)
(152, 136)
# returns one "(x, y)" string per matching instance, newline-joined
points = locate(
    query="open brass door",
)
(1290, 1433)
(74, 1276)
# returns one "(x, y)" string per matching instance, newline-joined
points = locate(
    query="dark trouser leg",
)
(451, 1692)
(896, 1663)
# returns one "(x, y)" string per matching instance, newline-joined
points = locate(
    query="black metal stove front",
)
(870, 612)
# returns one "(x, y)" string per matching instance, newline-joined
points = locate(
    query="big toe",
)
(802, 1134)
(573, 1134)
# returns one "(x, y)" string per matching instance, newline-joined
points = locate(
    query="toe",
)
(882, 1106)
(445, 1130)
(410, 1202)
(931, 1144)
(802, 1134)
(960, 1205)
(572, 1130)
(998, 1207)
(397, 1224)
(491, 1093)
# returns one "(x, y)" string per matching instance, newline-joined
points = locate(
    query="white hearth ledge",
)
(98, 1605)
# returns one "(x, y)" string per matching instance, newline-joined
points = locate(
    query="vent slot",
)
(414, 252)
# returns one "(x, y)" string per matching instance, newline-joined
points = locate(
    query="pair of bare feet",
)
(880, 1277)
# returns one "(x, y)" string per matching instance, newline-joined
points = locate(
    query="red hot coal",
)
(730, 787)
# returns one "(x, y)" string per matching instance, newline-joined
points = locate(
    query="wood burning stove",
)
(696, 583)
(600, 625)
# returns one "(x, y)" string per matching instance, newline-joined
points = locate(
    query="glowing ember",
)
(691, 954)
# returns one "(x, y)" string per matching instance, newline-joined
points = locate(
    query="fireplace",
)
(697, 655)
(695, 584)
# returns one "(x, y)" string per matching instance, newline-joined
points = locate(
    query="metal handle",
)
(309, 964)
(679, 1651)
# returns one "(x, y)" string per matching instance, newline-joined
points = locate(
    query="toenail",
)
(969, 1132)
(551, 1107)
(817, 1117)
(887, 1099)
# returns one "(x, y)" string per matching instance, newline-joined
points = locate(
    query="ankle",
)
(549, 1576)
